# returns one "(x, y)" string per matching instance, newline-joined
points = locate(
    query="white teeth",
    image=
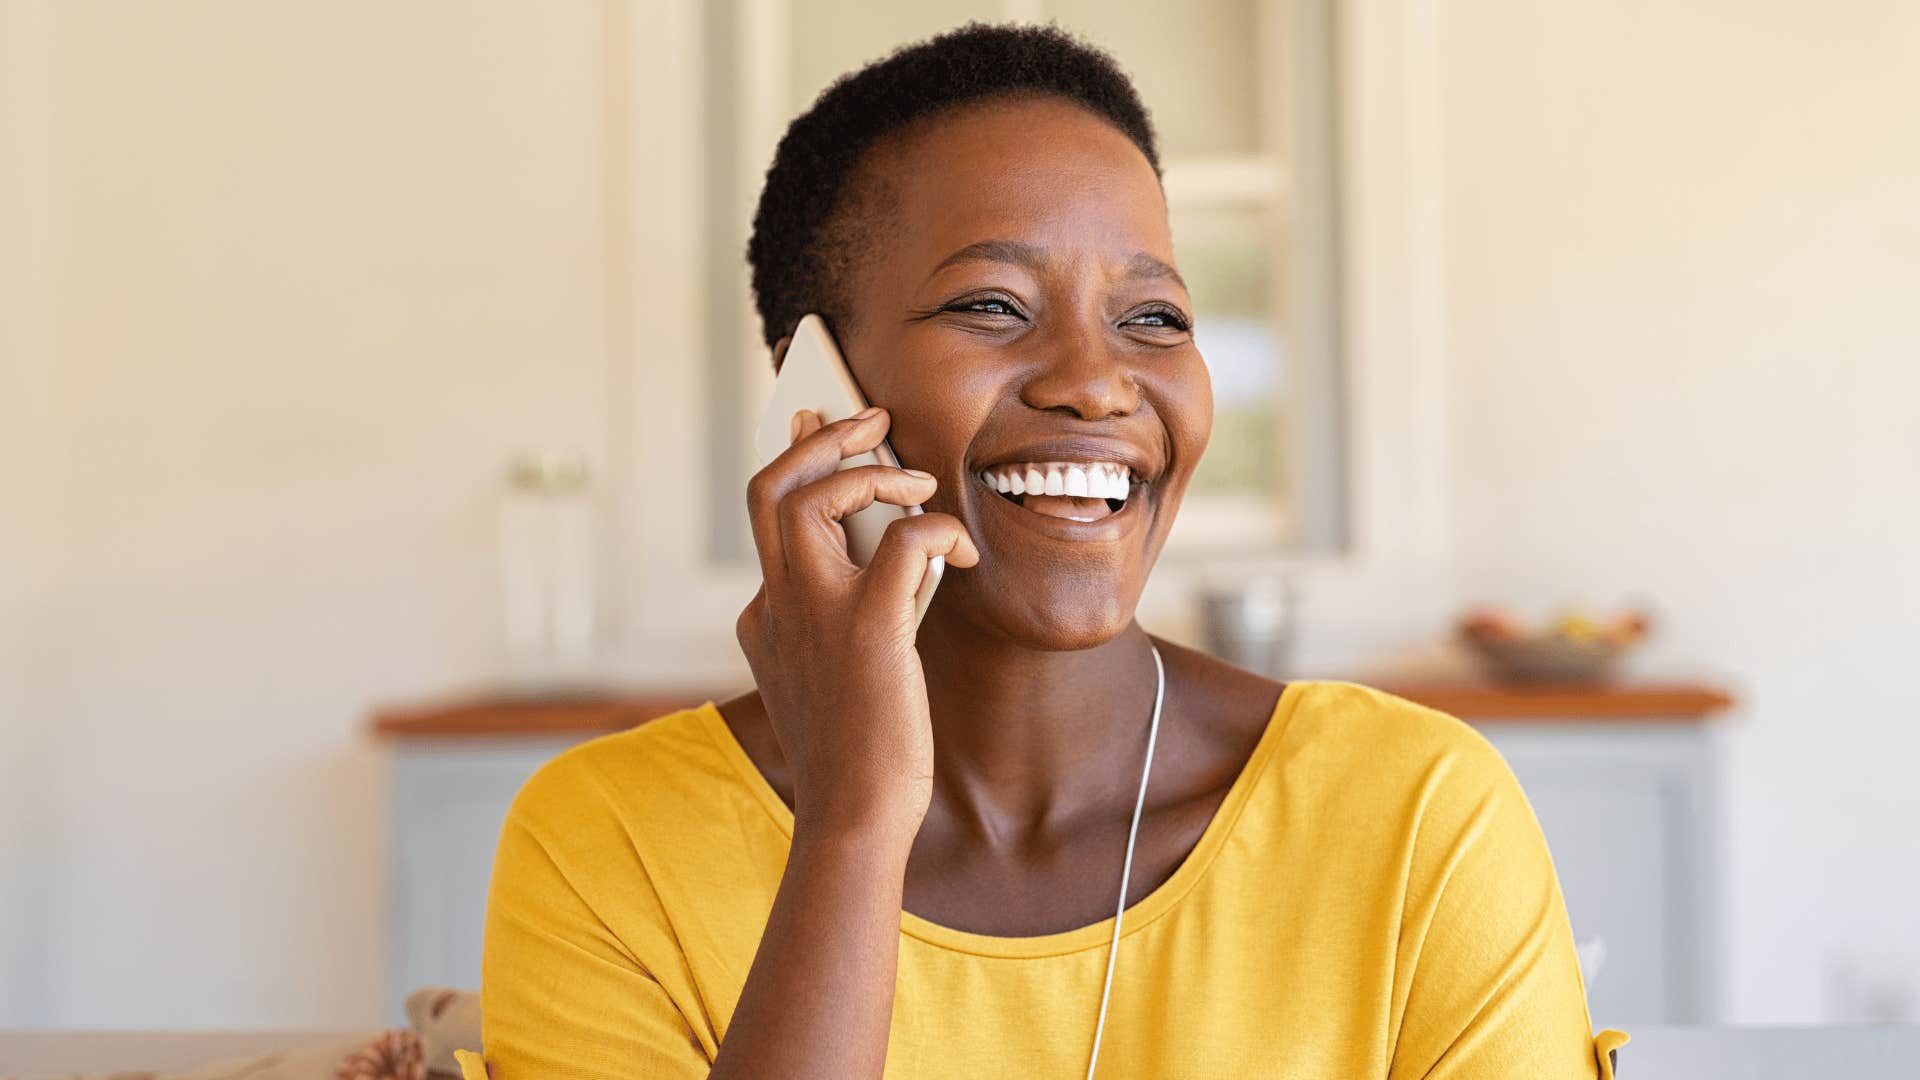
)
(1095, 480)
(1107, 481)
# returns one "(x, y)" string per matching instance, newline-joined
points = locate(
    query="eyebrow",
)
(1143, 265)
(1018, 252)
(1031, 257)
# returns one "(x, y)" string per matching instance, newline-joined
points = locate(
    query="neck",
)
(1026, 738)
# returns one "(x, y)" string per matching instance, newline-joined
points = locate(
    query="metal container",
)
(1251, 625)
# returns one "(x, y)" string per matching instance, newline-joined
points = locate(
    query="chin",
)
(1065, 617)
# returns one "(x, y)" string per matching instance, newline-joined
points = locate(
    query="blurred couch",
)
(439, 1021)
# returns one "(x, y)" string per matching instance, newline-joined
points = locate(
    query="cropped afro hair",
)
(806, 186)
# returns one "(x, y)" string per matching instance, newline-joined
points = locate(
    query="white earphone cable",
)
(1126, 868)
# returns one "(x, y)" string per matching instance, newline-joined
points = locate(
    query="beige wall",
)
(1683, 274)
(301, 278)
(26, 549)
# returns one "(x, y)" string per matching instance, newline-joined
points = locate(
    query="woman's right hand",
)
(831, 644)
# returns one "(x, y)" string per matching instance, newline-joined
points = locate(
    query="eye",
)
(984, 305)
(1159, 317)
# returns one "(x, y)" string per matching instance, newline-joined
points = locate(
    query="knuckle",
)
(927, 532)
(933, 522)
(871, 479)
(762, 486)
(793, 509)
(834, 494)
(907, 531)
(746, 628)
(828, 435)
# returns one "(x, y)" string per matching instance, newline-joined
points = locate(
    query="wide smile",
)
(1067, 500)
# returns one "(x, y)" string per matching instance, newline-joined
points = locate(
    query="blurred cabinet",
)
(449, 800)
(1627, 814)
(1624, 784)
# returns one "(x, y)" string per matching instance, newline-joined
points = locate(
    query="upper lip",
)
(1076, 448)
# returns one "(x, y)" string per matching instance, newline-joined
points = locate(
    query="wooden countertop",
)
(1477, 703)
(1494, 702)
(509, 716)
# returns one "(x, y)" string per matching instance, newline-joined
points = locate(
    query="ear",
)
(780, 352)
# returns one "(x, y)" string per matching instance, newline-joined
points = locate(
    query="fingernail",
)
(867, 413)
(793, 428)
(918, 473)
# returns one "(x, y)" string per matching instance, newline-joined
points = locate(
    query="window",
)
(1242, 98)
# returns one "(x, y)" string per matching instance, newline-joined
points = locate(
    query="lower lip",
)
(1106, 529)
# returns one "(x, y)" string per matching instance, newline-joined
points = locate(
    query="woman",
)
(902, 852)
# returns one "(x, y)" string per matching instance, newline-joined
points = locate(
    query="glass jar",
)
(547, 572)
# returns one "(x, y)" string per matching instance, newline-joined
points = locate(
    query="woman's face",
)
(1017, 311)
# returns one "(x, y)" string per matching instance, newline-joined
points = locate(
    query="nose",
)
(1083, 375)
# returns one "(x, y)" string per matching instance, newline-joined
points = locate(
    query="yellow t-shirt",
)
(1373, 899)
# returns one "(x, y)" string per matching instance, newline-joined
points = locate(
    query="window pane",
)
(1196, 65)
(1227, 256)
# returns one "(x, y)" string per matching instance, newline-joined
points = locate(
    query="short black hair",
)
(807, 183)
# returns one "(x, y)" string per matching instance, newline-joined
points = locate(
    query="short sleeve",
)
(1605, 1045)
(1493, 983)
(562, 994)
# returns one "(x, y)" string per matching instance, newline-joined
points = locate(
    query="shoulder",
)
(625, 775)
(1339, 746)
(1348, 727)
(635, 824)
(580, 924)
(1352, 754)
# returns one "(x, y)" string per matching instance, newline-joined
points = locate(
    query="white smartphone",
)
(815, 376)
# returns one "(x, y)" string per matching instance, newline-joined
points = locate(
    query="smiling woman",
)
(899, 854)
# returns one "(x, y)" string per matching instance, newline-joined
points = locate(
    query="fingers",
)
(810, 533)
(901, 560)
(816, 452)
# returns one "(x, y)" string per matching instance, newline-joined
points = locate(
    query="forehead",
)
(1039, 170)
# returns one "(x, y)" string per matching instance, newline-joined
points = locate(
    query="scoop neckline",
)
(1094, 935)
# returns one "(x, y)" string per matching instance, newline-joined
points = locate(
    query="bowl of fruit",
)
(1575, 648)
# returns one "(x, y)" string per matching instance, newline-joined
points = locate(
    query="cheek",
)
(938, 401)
(1187, 410)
